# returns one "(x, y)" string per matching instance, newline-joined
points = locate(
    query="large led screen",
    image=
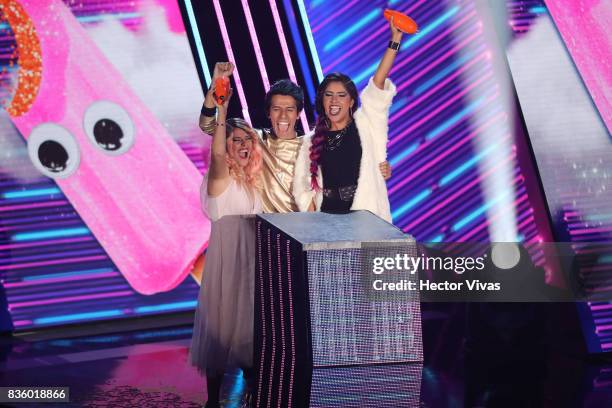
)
(100, 161)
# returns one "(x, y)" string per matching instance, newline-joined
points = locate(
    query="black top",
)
(340, 162)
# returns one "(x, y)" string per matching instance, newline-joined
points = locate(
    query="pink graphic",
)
(585, 28)
(130, 182)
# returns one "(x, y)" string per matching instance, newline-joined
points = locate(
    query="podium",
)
(321, 338)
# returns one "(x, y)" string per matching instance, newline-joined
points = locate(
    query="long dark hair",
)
(323, 124)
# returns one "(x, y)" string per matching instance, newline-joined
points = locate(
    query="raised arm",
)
(218, 172)
(208, 122)
(382, 72)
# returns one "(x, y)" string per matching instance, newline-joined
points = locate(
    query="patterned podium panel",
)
(348, 325)
(315, 317)
(386, 385)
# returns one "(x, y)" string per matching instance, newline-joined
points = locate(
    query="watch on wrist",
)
(394, 45)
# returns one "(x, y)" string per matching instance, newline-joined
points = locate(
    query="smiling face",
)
(337, 104)
(283, 115)
(240, 146)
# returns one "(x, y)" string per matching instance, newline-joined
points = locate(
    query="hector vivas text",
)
(402, 264)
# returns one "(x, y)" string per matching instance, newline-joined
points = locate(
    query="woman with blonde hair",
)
(223, 326)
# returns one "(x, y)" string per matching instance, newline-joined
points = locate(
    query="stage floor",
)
(147, 367)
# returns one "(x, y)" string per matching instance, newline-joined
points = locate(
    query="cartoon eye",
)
(53, 150)
(109, 127)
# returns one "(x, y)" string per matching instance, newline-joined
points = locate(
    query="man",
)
(280, 144)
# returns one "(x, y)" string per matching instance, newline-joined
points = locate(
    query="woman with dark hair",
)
(338, 166)
(223, 325)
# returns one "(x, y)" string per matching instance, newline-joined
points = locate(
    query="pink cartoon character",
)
(130, 182)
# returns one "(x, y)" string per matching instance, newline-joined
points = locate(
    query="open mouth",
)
(283, 126)
(334, 110)
(243, 153)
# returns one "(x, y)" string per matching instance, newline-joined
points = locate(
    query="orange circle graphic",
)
(29, 57)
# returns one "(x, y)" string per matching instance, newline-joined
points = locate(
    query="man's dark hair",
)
(285, 87)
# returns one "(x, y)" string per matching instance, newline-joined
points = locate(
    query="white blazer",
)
(372, 120)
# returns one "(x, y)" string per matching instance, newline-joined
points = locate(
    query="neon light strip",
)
(148, 335)
(437, 238)
(311, 43)
(49, 242)
(104, 295)
(403, 154)
(287, 56)
(584, 231)
(100, 275)
(78, 316)
(472, 216)
(19, 222)
(55, 223)
(230, 55)
(299, 45)
(465, 166)
(538, 10)
(412, 202)
(56, 203)
(198, 41)
(31, 193)
(64, 232)
(55, 255)
(107, 17)
(55, 262)
(64, 274)
(70, 290)
(167, 306)
(257, 48)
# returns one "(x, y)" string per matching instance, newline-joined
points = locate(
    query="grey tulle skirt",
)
(223, 325)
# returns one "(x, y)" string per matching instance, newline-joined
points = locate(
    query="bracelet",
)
(208, 112)
(394, 45)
